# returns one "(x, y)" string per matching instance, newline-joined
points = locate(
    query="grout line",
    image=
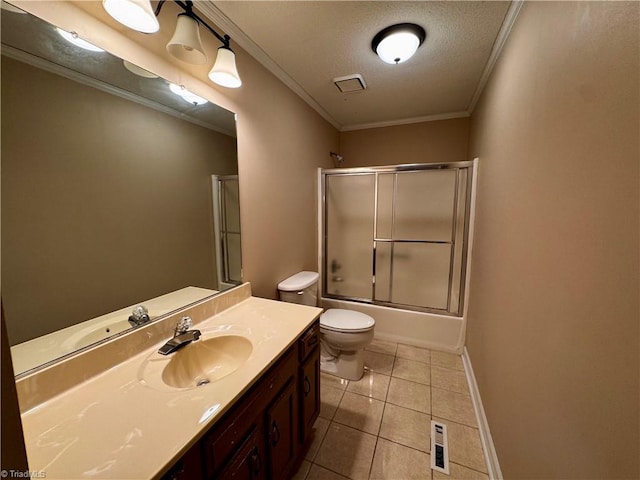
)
(430, 397)
(373, 457)
(385, 403)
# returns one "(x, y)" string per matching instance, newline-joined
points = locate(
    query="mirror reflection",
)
(111, 194)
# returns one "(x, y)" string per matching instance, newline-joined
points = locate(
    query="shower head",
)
(337, 159)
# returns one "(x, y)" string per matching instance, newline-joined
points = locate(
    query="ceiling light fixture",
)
(187, 95)
(72, 37)
(398, 43)
(185, 44)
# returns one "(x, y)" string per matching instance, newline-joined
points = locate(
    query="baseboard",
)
(490, 455)
(415, 342)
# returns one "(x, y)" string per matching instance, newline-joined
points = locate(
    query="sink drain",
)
(202, 381)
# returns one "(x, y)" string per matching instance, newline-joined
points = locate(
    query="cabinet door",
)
(249, 462)
(309, 393)
(281, 431)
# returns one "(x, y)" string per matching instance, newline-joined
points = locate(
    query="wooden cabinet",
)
(309, 393)
(249, 461)
(309, 379)
(262, 435)
(282, 438)
(187, 468)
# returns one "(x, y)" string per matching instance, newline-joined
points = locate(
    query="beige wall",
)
(553, 319)
(281, 140)
(105, 202)
(426, 142)
(281, 143)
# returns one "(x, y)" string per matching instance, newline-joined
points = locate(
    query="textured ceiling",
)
(316, 41)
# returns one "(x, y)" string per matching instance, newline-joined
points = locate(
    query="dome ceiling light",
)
(398, 43)
(185, 44)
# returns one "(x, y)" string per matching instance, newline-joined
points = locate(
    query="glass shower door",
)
(348, 235)
(226, 216)
(396, 236)
(414, 237)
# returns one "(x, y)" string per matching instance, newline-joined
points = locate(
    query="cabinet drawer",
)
(236, 426)
(308, 341)
(249, 462)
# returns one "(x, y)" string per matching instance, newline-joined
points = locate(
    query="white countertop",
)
(115, 426)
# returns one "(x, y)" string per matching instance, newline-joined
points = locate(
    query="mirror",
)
(108, 186)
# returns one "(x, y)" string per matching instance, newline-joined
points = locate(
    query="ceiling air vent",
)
(350, 83)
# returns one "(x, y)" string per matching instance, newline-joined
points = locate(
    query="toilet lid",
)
(299, 281)
(340, 320)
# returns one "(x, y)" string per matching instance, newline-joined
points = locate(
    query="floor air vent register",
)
(439, 448)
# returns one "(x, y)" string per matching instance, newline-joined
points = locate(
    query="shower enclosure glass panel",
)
(396, 236)
(349, 224)
(226, 205)
(423, 207)
(421, 274)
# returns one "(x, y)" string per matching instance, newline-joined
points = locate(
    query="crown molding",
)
(405, 121)
(213, 13)
(65, 72)
(498, 44)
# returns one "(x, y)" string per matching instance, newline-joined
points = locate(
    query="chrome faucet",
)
(182, 335)
(139, 316)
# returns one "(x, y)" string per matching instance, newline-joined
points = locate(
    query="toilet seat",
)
(346, 321)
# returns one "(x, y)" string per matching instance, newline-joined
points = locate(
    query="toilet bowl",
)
(343, 333)
(343, 336)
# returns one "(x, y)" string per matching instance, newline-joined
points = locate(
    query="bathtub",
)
(427, 330)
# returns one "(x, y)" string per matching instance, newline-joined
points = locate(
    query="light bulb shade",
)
(224, 71)
(141, 72)
(135, 14)
(185, 44)
(73, 37)
(398, 43)
(188, 96)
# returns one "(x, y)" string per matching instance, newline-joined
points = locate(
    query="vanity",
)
(241, 409)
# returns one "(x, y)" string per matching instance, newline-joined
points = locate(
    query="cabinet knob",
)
(275, 434)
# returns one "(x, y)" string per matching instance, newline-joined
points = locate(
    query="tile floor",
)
(379, 426)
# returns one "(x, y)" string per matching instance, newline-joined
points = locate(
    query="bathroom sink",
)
(101, 332)
(199, 363)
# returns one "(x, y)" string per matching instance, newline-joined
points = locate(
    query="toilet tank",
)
(300, 288)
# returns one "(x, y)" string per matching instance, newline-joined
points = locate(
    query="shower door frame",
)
(394, 169)
(221, 232)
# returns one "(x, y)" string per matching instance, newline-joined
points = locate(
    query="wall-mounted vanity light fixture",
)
(72, 37)
(398, 43)
(185, 45)
(188, 96)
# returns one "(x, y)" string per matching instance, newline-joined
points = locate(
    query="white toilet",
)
(343, 333)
